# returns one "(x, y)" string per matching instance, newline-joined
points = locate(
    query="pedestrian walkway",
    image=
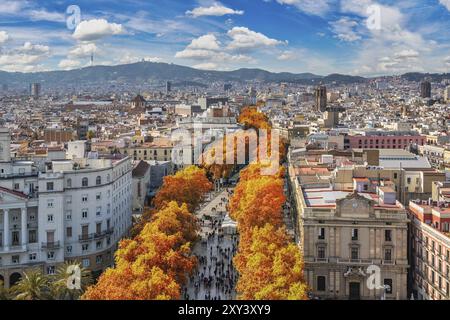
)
(215, 277)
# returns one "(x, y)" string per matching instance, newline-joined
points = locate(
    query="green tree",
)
(34, 285)
(66, 286)
(4, 292)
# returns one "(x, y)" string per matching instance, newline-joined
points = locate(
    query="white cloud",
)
(311, 7)
(344, 29)
(445, 3)
(9, 7)
(83, 50)
(68, 64)
(287, 55)
(210, 52)
(153, 59)
(206, 66)
(90, 30)
(392, 48)
(3, 37)
(214, 10)
(207, 42)
(44, 15)
(244, 38)
(34, 49)
(406, 54)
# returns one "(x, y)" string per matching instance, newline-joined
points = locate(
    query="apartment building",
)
(386, 139)
(72, 210)
(430, 249)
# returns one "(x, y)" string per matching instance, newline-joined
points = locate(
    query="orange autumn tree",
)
(269, 266)
(154, 264)
(261, 203)
(250, 117)
(257, 197)
(186, 186)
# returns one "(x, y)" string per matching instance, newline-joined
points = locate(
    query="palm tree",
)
(34, 285)
(71, 281)
(4, 293)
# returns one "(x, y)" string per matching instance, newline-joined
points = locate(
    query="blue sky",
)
(361, 37)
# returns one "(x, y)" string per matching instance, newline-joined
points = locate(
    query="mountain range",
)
(152, 71)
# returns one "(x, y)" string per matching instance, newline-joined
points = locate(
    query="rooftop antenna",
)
(92, 59)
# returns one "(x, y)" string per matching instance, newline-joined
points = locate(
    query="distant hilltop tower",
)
(92, 59)
(321, 98)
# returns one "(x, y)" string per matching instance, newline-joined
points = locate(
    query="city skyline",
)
(366, 38)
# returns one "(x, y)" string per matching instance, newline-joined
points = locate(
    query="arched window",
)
(69, 183)
(98, 180)
(84, 182)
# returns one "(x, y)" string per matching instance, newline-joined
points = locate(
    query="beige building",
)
(346, 235)
(430, 249)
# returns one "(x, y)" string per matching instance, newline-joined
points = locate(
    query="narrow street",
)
(215, 277)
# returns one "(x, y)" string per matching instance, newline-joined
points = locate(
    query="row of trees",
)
(155, 263)
(270, 265)
(220, 158)
(66, 284)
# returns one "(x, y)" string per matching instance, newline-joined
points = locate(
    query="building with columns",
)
(351, 239)
(68, 210)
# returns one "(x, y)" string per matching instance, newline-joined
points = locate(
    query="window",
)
(98, 211)
(85, 247)
(49, 218)
(98, 196)
(69, 232)
(69, 215)
(50, 186)
(51, 270)
(354, 234)
(32, 256)
(98, 180)
(395, 175)
(321, 283)
(387, 235)
(354, 253)
(321, 252)
(99, 244)
(51, 255)
(321, 234)
(388, 285)
(84, 213)
(16, 186)
(388, 254)
(69, 199)
(32, 236)
(84, 182)
(86, 263)
(69, 183)
(69, 249)
(49, 203)
(98, 259)
(84, 198)
(15, 259)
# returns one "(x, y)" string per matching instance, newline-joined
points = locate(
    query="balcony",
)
(355, 261)
(95, 236)
(51, 245)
